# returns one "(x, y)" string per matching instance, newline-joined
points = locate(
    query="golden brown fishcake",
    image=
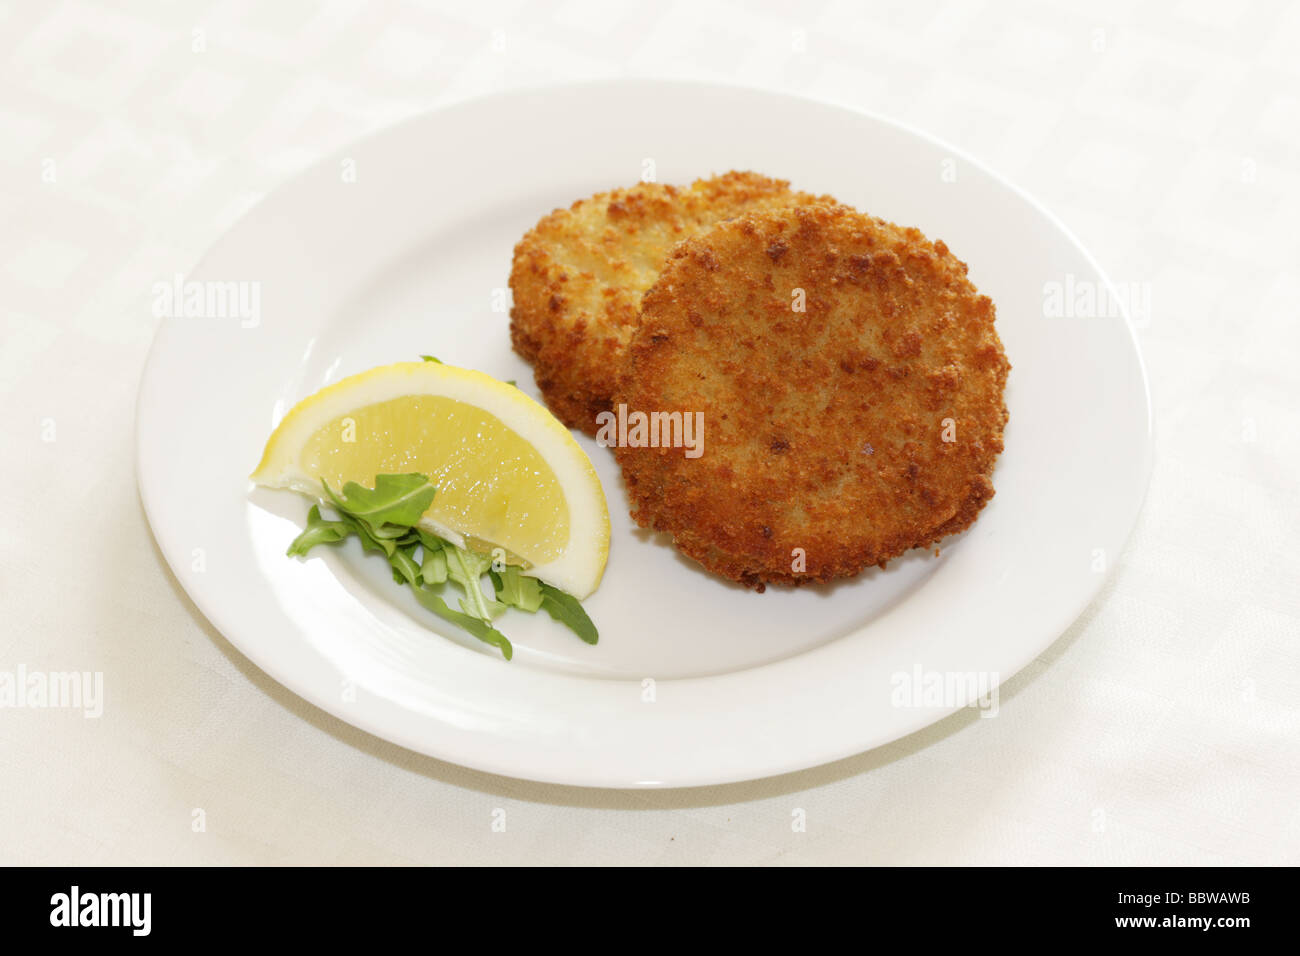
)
(824, 446)
(578, 277)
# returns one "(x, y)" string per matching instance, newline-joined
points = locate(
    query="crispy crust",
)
(823, 429)
(579, 274)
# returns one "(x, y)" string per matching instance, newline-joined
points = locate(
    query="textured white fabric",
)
(1163, 727)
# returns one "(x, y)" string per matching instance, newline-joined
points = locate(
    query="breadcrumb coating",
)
(835, 438)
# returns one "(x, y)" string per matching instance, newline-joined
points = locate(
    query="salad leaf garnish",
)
(318, 531)
(399, 500)
(466, 568)
(433, 569)
(566, 609)
(484, 631)
(515, 589)
(385, 518)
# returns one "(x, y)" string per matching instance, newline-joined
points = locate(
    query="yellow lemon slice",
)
(508, 474)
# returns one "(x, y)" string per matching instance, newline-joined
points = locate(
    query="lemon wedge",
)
(508, 474)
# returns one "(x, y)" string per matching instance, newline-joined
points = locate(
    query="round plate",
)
(402, 246)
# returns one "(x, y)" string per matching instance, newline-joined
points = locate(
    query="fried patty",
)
(579, 274)
(835, 438)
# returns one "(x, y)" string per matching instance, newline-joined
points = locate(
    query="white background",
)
(1163, 727)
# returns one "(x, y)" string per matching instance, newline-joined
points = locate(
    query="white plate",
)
(401, 245)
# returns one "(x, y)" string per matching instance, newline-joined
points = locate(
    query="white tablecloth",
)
(1163, 727)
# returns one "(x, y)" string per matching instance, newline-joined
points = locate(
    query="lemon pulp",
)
(493, 486)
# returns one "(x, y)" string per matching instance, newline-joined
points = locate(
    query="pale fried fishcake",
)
(578, 277)
(823, 429)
